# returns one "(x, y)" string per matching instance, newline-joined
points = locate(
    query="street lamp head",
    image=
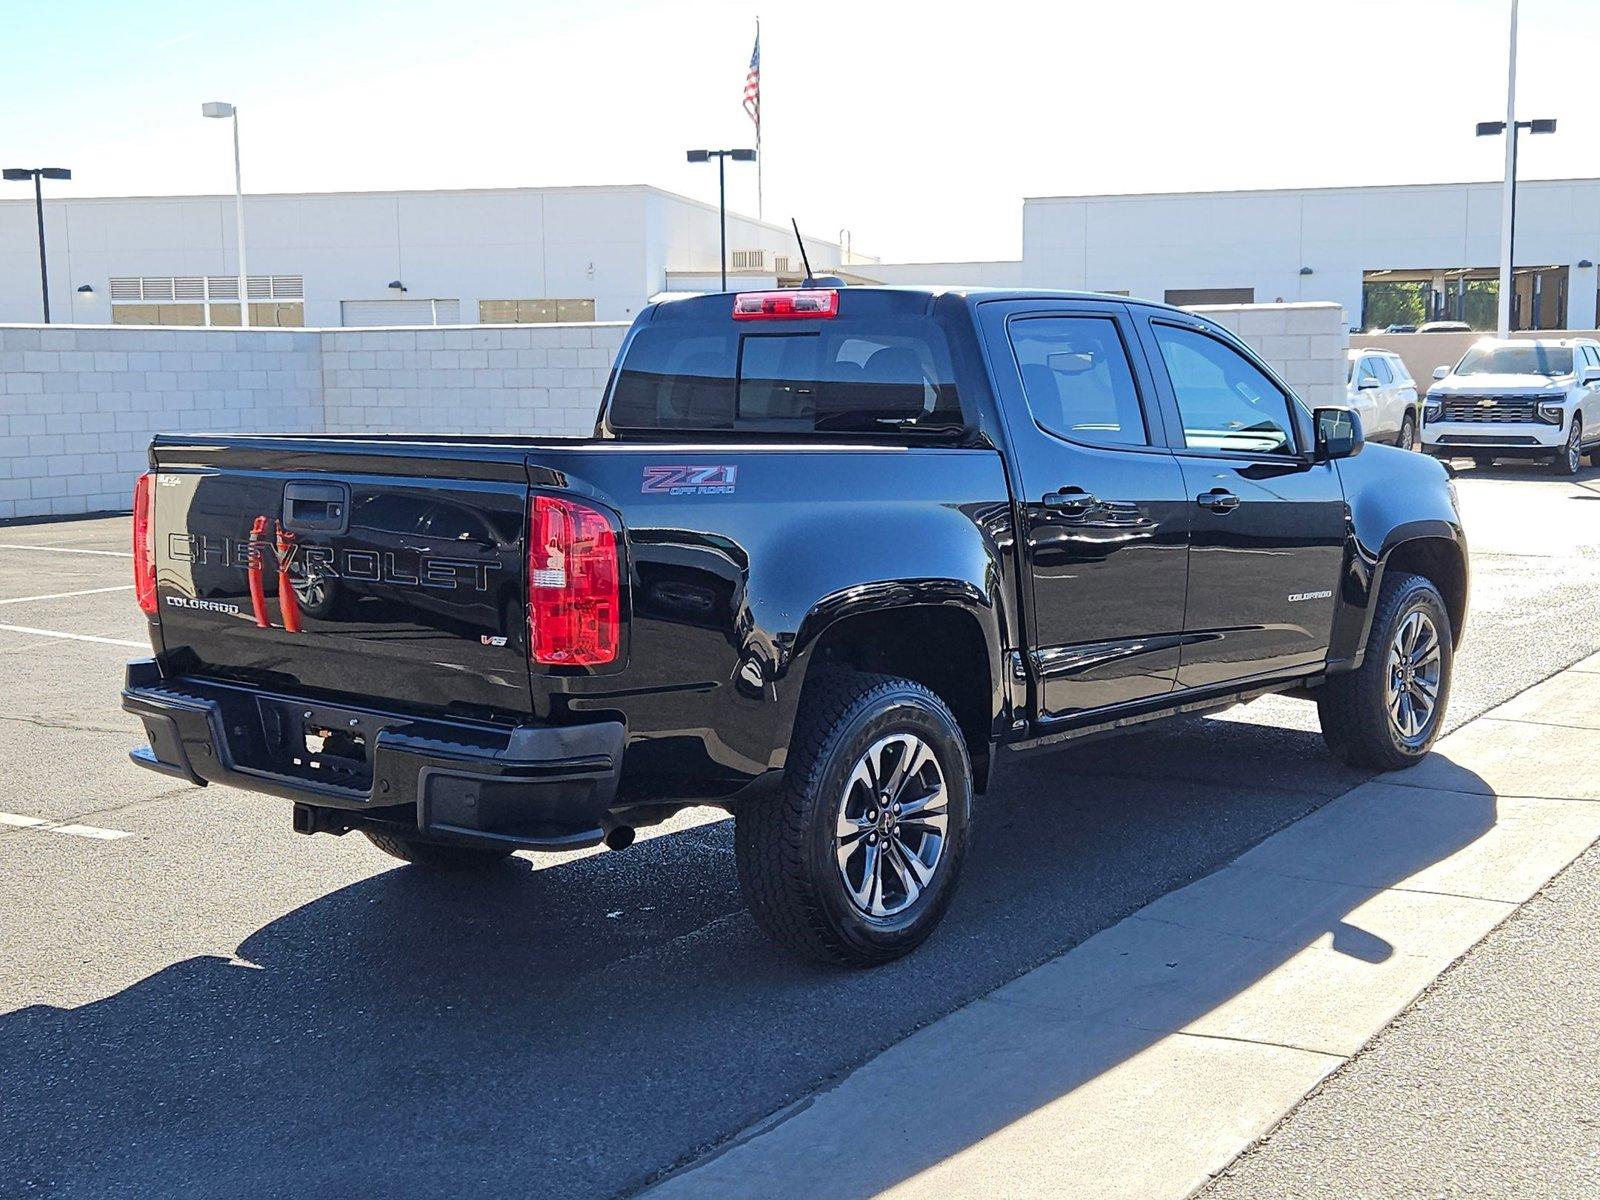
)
(216, 108)
(16, 174)
(54, 173)
(1548, 125)
(743, 155)
(699, 156)
(1491, 128)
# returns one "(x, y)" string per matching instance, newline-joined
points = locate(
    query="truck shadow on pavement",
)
(577, 1030)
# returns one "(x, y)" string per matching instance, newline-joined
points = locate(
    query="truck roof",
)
(935, 289)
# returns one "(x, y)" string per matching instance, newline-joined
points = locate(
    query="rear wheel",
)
(1387, 714)
(1408, 433)
(1571, 456)
(854, 858)
(437, 855)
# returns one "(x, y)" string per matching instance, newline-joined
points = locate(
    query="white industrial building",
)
(1437, 243)
(529, 255)
(522, 255)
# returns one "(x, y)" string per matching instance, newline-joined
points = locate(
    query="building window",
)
(1183, 297)
(367, 314)
(276, 301)
(533, 312)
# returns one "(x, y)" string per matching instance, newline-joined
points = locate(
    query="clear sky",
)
(917, 125)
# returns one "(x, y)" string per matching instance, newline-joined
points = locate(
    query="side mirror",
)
(1369, 384)
(1339, 434)
(1440, 372)
(1590, 375)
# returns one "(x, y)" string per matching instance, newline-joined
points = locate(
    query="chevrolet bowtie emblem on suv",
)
(1486, 402)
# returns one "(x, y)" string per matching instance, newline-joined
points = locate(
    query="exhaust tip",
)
(619, 837)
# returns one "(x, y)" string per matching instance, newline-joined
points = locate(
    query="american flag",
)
(752, 85)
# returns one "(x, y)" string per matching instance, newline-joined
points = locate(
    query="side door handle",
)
(1218, 500)
(1073, 502)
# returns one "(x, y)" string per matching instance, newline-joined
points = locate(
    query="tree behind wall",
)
(1385, 304)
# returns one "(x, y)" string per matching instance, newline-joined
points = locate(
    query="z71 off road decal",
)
(690, 481)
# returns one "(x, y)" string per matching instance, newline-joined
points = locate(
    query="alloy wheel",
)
(1416, 667)
(892, 825)
(1575, 447)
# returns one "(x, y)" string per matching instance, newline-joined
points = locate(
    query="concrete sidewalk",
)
(1144, 1061)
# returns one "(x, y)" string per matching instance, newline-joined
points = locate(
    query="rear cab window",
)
(881, 367)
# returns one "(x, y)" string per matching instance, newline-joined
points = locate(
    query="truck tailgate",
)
(345, 572)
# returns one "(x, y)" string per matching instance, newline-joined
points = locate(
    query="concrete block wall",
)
(79, 404)
(529, 379)
(1304, 343)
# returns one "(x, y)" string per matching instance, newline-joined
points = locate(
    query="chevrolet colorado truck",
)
(832, 556)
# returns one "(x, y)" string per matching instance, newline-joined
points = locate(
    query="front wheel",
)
(1571, 456)
(854, 858)
(1387, 714)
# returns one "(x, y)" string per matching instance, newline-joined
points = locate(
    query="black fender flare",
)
(1363, 578)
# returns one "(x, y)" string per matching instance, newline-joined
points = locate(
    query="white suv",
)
(1518, 399)
(1378, 386)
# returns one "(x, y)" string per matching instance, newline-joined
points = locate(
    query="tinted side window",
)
(1401, 374)
(1364, 371)
(1380, 368)
(1225, 401)
(1078, 379)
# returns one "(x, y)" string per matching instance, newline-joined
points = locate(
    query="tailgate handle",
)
(316, 507)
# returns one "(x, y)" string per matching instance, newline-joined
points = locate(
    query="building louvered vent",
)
(747, 260)
(134, 289)
(780, 264)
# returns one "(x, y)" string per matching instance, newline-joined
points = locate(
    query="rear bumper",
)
(532, 786)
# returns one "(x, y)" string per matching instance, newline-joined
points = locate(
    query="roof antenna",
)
(812, 280)
(802, 244)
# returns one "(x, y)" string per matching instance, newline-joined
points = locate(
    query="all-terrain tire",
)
(1354, 706)
(785, 841)
(436, 855)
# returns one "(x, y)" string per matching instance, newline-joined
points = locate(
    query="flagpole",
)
(760, 206)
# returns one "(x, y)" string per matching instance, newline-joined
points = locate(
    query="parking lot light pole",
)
(1508, 206)
(700, 156)
(1508, 195)
(17, 174)
(222, 109)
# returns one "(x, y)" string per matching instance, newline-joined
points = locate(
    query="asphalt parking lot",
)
(196, 1001)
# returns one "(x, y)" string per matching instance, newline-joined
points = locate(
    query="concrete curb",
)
(1147, 1058)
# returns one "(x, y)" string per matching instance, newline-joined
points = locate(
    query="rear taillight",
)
(573, 584)
(790, 304)
(144, 543)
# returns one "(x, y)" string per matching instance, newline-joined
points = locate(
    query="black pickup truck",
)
(831, 556)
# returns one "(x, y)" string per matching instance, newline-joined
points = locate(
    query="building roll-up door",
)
(369, 313)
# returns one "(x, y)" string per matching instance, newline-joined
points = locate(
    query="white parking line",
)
(121, 587)
(43, 826)
(73, 637)
(91, 831)
(66, 550)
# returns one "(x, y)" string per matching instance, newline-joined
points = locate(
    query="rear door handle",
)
(1072, 501)
(1217, 500)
